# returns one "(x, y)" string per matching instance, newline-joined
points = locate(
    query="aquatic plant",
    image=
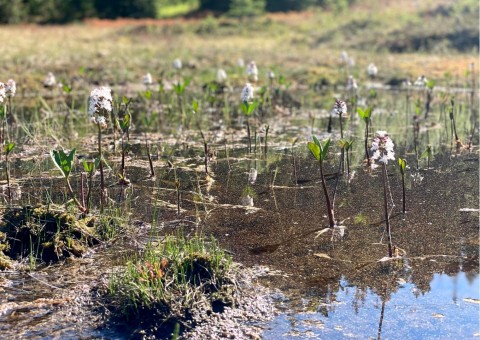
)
(147, 80)
(382, 148)
(252, 72)
(320, 150)
(453, 125)
(248, 107)
(429, 85)
(340, 108)
(365, 115)
(177, 64)
(179, 88)
(221, 76)
(125, 124)
(402, 164)
(428, 154)
(50, 80)
(372, 70)
(100, 105)
(64, 163)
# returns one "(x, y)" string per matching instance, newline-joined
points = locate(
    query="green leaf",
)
(427, 153)
(63, 161)
(147, 94)
(244, 107)
(430, 84)
(314, 149)
(66, 88)
(324, 148)
(317, 142)
(195, 105)
(403, 165)
(125, 100)
(8, 147)
(89, 167)
(251, 107)
(365, 114)
(125, 124)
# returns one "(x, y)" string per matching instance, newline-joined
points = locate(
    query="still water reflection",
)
(450, 310)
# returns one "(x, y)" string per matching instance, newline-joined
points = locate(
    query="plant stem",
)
(389, 235)
(8, 178)
(79, 205)
(100, 161)
(248, 136)
(403, 193)
(366, 143)
(331, 218)
(341, 127)
(150, 162)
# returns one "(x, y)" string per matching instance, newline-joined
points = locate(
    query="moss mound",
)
(173, 286)
(47, 233)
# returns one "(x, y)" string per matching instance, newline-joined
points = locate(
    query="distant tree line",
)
(252, 7)
(63, 11)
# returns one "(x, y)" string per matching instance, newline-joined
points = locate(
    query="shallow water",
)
(449, 310)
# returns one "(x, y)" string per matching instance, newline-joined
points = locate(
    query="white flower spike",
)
(382, 148)
(247, 93)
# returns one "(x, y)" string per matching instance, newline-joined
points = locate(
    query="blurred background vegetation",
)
(64, 11)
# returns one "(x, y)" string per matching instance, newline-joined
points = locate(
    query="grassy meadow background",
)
(403, 38)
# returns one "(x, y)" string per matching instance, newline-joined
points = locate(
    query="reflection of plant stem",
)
(379, 333)
(384, 167)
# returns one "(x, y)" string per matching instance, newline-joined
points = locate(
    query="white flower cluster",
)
(2, 92)
(100, 103)
(50, 80)
(177, 64)
(147, 79)
(221, 76)
(252, 71)
(247, 93)
(340, 107)
(382, 147)
(372, 70)
(351, 83)
(421, 81)
(346, 59)
(11, 88)
(271, 75)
